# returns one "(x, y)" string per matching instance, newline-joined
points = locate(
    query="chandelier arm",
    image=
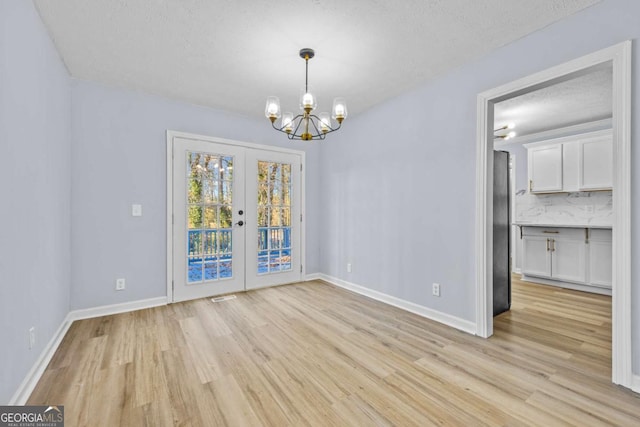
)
(281, 129)
(331, 129)
(315, 126)
(298, 121)
(335, 129)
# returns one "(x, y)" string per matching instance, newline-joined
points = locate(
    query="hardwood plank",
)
(314, 354)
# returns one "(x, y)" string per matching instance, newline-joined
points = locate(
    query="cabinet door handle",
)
(547, 245)
(553, 245)
(551, 232)
(530, 185)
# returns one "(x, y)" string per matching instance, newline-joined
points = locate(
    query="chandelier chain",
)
(306, 74)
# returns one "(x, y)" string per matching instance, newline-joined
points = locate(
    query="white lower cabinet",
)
(574, 255)
(568, 258)
(536, 256)
(600, 258)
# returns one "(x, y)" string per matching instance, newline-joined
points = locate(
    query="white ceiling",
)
(233, 54)
(582, 99)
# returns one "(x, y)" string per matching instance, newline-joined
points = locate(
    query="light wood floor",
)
(313, 354)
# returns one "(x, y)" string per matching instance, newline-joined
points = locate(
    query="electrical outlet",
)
(348, 267)
(120, 284)
(436, 289)
(32, 337)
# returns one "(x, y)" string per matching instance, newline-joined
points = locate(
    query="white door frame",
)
(169, 230)
(620, 56)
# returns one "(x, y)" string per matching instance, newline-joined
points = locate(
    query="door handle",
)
(553, 245)
(240, 223)
(547, 245)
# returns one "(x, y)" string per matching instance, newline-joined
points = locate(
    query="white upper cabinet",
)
(575, 163)
(545, 169)
(596, 163)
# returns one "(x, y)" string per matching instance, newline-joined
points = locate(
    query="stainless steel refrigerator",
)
(501, 233)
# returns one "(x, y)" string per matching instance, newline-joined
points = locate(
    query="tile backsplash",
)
(593, 208)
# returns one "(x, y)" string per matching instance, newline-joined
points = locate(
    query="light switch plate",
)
(136, 210)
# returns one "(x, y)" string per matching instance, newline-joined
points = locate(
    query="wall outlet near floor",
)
(32, 337)
(120, 284)
(348, 267)
(436, 289)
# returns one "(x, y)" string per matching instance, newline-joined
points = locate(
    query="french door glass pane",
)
(274, 217)
(209, 210)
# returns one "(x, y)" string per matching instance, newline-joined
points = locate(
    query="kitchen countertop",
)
(542, 224)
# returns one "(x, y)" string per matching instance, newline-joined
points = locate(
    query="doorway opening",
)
(619, 57)
(234, 216)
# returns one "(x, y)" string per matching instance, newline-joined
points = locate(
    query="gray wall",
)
(400, 182)
(118, 158)
(35, 135)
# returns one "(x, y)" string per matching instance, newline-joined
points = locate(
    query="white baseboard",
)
(106, 310)
(567, 285)
(635, 383)
(447, 319)
(312, 276)
(29, 383)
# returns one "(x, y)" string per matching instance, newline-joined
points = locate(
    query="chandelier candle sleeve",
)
(339, 109)
(325, 122)
(306, 126)
(307, 100)
(287, 122)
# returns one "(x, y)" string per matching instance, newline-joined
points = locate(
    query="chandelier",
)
(306, 126)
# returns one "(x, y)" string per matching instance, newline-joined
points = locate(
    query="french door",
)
(236, 218)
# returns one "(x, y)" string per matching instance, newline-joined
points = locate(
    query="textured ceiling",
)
(233, 54)
(585, 98)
